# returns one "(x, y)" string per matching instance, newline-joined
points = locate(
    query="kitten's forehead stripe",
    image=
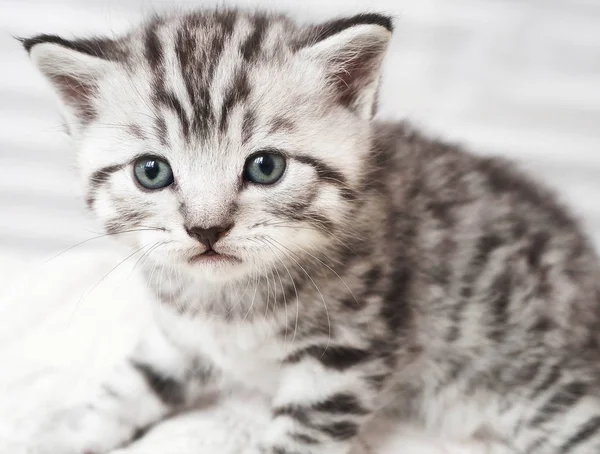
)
(160, 128)
(153, 50)
(206, 47)
(248, 125)
(170, 101)
(199, 61)
(237, 93)
(251, 47)
(281, 124)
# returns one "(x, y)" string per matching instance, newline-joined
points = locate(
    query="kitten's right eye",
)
(153, 172)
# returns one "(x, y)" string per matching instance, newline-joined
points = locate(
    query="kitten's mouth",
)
(212, 256)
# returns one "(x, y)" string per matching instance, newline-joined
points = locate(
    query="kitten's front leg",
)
(326, 395)
(157, 380)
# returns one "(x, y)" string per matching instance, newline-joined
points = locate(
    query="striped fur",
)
(383, 270)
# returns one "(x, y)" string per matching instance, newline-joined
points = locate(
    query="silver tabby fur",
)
(385, 270)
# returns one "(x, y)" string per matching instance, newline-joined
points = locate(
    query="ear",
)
(74, 69)
(351, 51)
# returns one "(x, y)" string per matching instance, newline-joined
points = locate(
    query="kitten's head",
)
(222, 142)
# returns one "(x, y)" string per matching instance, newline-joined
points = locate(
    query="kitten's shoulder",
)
(446, 173)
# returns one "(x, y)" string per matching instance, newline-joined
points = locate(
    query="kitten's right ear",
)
(351, 51)
(74, 69)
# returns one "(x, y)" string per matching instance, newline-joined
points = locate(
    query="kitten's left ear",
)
(351, 51)
(74, 69)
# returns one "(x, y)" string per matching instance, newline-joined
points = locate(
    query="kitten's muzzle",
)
(208, 237)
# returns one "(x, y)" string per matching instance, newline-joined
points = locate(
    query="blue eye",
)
(265, 167)
(153, 172)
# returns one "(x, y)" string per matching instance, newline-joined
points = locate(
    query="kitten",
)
(336, 265)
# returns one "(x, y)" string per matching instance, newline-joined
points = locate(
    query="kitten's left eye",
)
(265, 167)
(153, 172)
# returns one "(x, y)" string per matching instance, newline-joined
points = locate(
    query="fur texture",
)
(383, 272)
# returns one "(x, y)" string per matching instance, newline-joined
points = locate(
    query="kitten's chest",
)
(247, 353)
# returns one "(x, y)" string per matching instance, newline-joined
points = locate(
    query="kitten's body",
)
(384, 270)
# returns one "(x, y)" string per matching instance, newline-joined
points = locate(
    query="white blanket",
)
(66, 322)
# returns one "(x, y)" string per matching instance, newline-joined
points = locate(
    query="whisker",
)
(98, 237)
(284, 298)
(328, 267)
(318, 290)
(85, 295)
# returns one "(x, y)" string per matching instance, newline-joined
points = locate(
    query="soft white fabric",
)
(66, 321)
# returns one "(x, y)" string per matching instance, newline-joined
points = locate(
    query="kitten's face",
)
(221, 146)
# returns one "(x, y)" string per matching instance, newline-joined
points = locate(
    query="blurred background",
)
(519, 78)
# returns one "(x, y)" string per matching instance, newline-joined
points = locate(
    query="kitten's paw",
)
(81, 430)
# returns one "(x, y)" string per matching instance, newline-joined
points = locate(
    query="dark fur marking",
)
(304, 439)
(324, 171)
(336, 26)
(248, 125)
(251, 47)
(484, 247)
(551, 379)
(341, 430)
(507, 180)
(162, 97)
(321, 222)
(536, 444)
(160, 128)
(334, 357)
(341, 403)
(237, 93)
(98, 178)
(168, 99)
(281, 124)
(348, 194)
(227, 19)
(111, 392)
(185, 48)
(131, 218)
(395, 309)
(526, 374)
(298, 211)
(562, 401)
(169, 391)
(153, 50)
(97, 47)
(191, 58)
(372, 278)
(280, 450)
(292, 411)
(501, 291)
(352, 303)
(377, 381)
(584, 433)
(136, 131)
(536, 249)
(139, 433)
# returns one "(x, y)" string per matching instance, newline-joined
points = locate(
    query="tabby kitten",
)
(337, 265)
